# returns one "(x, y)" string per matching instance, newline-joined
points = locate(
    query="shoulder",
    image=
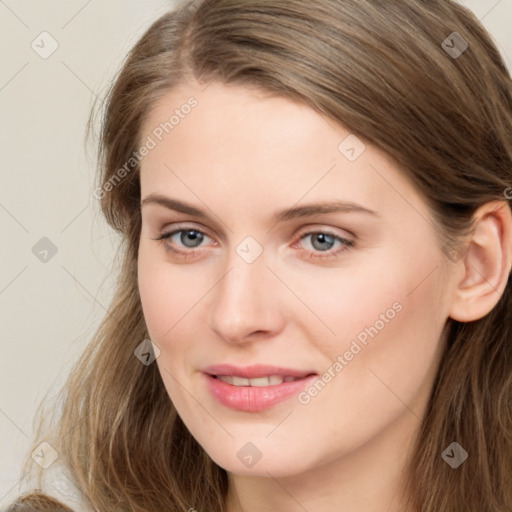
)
(58, 493)
(38, 502)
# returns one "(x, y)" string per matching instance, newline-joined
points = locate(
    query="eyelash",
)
(345, 244)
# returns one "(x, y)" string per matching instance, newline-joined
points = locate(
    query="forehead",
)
(230, 141)
(232, 133)
(238, 110)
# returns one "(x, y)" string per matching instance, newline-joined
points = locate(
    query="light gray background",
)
(49, 310)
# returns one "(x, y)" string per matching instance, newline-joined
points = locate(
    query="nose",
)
(246, 303)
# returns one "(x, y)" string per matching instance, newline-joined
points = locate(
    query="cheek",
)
(377, 367)
(382, 325)
(347, 303)
(168, 297)
(395, 294)
(152, 288)
(168, 294)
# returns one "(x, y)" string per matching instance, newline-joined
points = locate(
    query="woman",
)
(313, 310)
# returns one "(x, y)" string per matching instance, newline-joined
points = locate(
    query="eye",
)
(186, 238)
(190, 238)
(324, 241)
(322, 244)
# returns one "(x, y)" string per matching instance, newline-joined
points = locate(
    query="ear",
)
(483, 272)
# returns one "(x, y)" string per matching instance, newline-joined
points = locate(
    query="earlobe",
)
(486, 265)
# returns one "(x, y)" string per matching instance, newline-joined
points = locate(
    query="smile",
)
(255, 394)
(272, 380)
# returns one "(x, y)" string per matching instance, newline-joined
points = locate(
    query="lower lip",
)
(252, 398)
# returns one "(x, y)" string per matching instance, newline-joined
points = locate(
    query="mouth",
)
(257, 387)
(258, 382)
(257, 371)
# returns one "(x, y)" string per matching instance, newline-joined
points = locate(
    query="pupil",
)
(193, 236)
(323, 239)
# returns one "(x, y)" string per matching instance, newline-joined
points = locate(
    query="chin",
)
(249, 459)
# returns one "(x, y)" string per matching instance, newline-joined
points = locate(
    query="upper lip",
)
(255, 371)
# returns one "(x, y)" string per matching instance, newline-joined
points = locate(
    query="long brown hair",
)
(384, 69)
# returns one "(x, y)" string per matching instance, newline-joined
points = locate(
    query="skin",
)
(242, 155)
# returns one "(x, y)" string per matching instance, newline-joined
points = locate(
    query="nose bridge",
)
(244, 301)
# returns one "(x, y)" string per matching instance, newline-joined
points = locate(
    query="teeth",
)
(272, 380)
(239, 381)
(260, 381)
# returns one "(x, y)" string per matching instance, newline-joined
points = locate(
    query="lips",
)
(256, 371)
(255, 388)
(257, 382)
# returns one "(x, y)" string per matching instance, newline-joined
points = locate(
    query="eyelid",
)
(321, 228)
(345, 245)
(301, 233)
(184, 227)
(346, 242)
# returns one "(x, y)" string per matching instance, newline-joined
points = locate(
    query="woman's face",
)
(293, 251)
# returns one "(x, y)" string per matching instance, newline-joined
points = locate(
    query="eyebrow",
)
(284, 215)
